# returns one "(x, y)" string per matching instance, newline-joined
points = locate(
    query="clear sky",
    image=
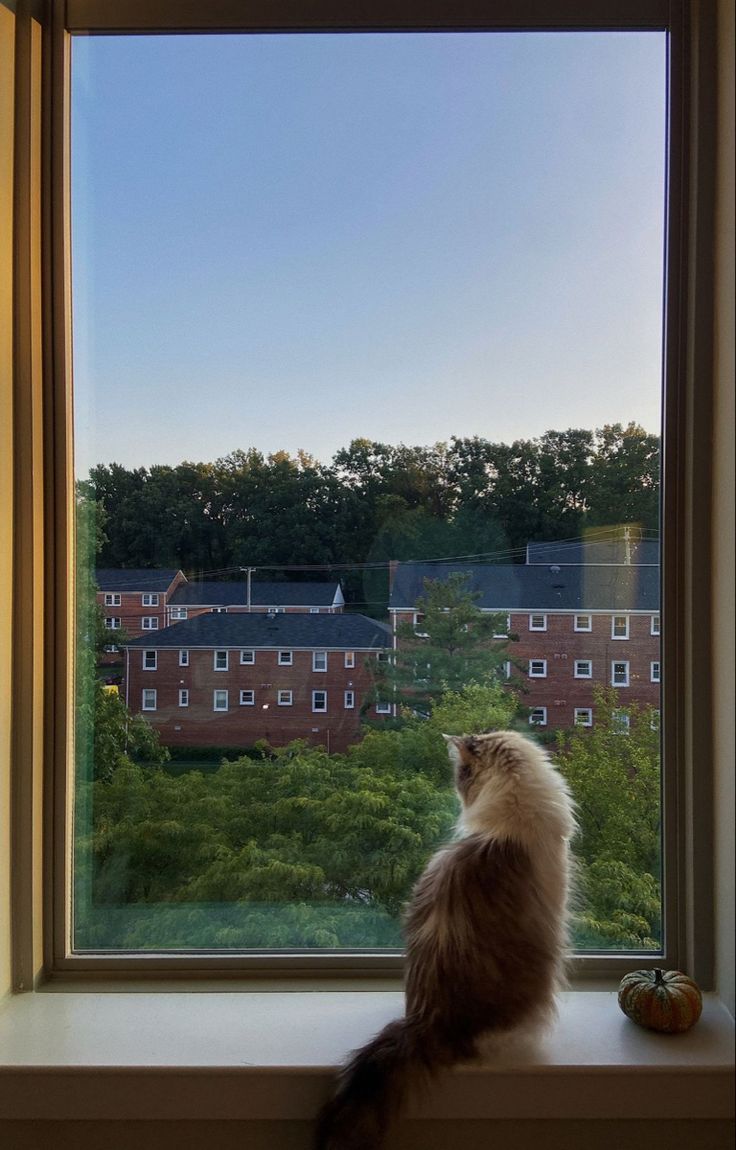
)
(290, 241)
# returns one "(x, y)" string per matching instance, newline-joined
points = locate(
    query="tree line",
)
(374, 502)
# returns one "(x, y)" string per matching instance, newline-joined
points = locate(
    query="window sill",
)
(142, 1054)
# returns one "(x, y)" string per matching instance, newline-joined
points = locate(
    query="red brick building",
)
(576, 625)
(232, 679)
(135, 602)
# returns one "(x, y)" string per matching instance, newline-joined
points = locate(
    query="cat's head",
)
(477, 759)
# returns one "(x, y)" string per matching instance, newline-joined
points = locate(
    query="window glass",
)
(392, 307)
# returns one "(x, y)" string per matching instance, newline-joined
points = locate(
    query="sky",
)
(288, 242)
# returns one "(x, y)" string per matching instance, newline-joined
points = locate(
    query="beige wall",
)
(724, 513)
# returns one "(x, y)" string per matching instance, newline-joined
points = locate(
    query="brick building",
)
(576, 625)
(231, 679)
(135, 601)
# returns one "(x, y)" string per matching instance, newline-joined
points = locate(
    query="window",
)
(583, 669)
(319, 701)
(220, 662)
(314, 610)
(583, 623)
(285, 658)
(620, 627)
(622, 722)
(176, 614)
(583, 717)
(149, 600)
(219, 700)
(149, 623)
(286, 698)
(112, 599)
(537, 622)
(537, 668)
(110, 649)
(247, 658)
(247, 698)
(619, 674)
(183, 658)
(149, 660)
(183, 697)
(654, 672)
(219, 610)
(112, 623)
(349, 660)
(319, 660)
(383, 708)
(538, 717)
(654, 625)
(148, 700)
(349, 700)
(503, 627)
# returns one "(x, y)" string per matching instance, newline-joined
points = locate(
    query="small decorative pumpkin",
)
(664, 1000)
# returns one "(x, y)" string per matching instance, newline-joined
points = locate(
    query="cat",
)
(486, 934)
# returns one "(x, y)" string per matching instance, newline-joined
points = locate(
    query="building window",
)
(219, 610)
(220, 661)
(319, 701)
(383, 708)
(583, 669)
(148, 702)
(219, 700)
(619, 674)
(319, 660)
(349, 659)
(537, 622)
(110, 649)
(285, 699)
(176, 614)
(583, 717)
(112, 622)
(537, 668)
(349, 700)
(314, 610)
(619, 627)
(621, 722)
(247, 658)
(149, 623)
(507, 669)
(503, 626)
(183, 658)
(538, 717)
(285, 659)
(149, 600)
(112, 599)
(654, 671)
(150, 660)
(583, 623)
(247, 698)
(183, 697)
(654, 625)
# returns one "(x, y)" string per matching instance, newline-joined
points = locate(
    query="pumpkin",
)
(664, 1000)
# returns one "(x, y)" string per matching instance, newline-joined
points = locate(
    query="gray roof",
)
(609, 551)
(228, 594)
(122, 579)
(300, 631)
(517, 587)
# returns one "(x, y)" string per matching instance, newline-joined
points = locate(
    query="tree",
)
(453, 645)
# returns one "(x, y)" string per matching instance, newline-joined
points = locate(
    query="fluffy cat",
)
(486, 934)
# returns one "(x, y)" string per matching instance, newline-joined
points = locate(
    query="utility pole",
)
(248, 572)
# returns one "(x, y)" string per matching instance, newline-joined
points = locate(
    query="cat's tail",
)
(373, 1085)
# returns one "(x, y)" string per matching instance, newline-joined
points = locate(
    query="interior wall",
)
(724, 513)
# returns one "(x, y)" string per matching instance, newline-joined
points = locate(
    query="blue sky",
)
(290, 241)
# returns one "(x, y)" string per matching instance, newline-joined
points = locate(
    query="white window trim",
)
(214, 660)
(504, 634)
(583, 711)
(349, 700)
(627, 621)
(285, 659)
(149, 691)
(620, 663)
(538, 674)
(285, 698)
(349, 660)
(149, 623)
(655, 625)
(580, 674)
(537, 615)
(220, 691)
(655, 678)
(315, 709)
(534, 722)
(315, 668)
(149, 599)
(112, 599)
(183, 656)
(155, 661)
(112, 623)
(245, 662)
(251, 702)
(580, 629)
(178, 614)
(183, 696)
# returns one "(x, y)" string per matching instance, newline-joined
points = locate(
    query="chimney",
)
(393, 566)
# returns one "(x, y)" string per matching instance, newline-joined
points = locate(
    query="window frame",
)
(149, 623)
(582, 630)
(220, 691)
(576, 674)
(184, 696)
(687, 466)
(285, 697)
(315, 709)
(627, 624)
(626, 664)
(183, 656)
(537, 615)
(216, 654)
(144, 657)
(577, 711)
(317, 670)
(537, 674)
(538, 710)
(242, 702)
(149, 692)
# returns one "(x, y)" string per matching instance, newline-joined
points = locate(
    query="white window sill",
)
(270, 1056)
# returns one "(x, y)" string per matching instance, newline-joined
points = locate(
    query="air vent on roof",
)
(555, 569)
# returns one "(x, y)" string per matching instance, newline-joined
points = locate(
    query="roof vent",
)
(555, 569)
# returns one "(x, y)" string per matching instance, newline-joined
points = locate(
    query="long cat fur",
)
(486, 934)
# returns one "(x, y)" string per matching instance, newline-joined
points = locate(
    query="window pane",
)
(367, 381)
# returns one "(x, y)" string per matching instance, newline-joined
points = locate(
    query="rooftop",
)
(299, 631)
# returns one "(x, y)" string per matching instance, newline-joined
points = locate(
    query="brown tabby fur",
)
(485, 935)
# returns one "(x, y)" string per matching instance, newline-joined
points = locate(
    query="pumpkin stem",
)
(658, 976)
